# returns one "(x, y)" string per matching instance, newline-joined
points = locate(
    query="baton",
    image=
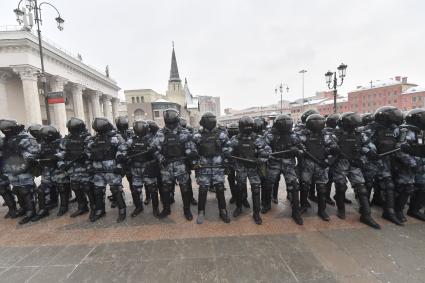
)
(137, 154)
(312, 157)
(389, 152)
(280, 152)
(243, 159)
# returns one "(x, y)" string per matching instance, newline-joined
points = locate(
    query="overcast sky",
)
(241, 49)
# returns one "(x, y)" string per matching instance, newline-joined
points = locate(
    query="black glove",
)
(372, 155)
(193, 155)
(227, 154)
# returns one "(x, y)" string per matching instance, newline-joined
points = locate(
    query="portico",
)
(87, 92)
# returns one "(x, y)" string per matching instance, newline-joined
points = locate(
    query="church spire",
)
(174, 72)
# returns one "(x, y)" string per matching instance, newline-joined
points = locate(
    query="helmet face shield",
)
(122, 123)
(416, 117)
(283, 123)
(315, 123)
(171, 118)
(102, 125)
(388, 115)
(208, 121)
(246, 125)
(307, 113)
(350, 121)
(49, 133)
(10, 127)
(331, 120)
(75, 125)
(153, 126)
(141, 128)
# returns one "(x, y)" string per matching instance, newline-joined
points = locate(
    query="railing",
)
(7, 28)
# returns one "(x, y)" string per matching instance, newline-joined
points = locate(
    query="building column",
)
(115, 104)
(77, 98)
(95, 104)
(4, 105)
(59, 111)
(28, 75)
(106, 102)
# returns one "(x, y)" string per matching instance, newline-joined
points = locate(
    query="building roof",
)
(331, 101)
(379, 83)
(419, 88)
(161, 100)
(174, 71)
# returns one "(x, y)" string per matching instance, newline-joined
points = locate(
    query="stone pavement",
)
(145, 249)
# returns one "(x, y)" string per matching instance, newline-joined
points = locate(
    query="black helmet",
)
(208, 121)
(10, 127)
(171, 118)
(183, 122)
(388, 115)
(232, 129)
(141, 128)
(332, 120)
(367, 118)
(307, 113)
(416, 117)
(315, 123)
(283, 123)
(102, 125)
(34, 130)
(122, 123)
(246, 125)
(259, 125)
(49, 133)
(350, 121)
(153, 126)
(75, 125)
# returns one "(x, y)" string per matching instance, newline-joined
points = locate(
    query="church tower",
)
(175, 92)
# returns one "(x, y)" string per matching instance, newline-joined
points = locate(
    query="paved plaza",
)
(145, 249)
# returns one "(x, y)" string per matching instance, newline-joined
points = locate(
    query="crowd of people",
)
(381, 153)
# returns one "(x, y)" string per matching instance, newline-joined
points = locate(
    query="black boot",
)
(239, 197)
(99, 195)
(340, 190)
(54, 198)
(166, 191)
(245, 202)
(256, 203)
(377, 199)
(81, 201)
(365, 212)
(312, 192)
(119, 197)
(222, 203)
(29, 204)
(266, 198)
(321, 202)
(202, 199)
(416, 202)
(89, 191)
(9, 200)
(147, 197)
(137, 202)
(64, 200)
(389, 213)
(275, 191)
(401, 201)
(42, 210)
(155, 202)
(304, 198)
(296, 215)
(186, 198)
(232, 185)
(329, 200)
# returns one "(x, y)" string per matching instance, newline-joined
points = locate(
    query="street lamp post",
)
(281, 94)
(25, 16)
(302, 72)
(332, 78)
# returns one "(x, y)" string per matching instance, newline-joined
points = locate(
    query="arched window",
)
(132, 100)
(138, 99)
(139, 114)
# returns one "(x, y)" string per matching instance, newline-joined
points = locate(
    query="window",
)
(414, 99)
(138, 99)
(132, 100)
(142, 99)
(156, 114)
(139, 114)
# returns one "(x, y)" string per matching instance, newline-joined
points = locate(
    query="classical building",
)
(87, 92)
(147, 104)
(209, 104)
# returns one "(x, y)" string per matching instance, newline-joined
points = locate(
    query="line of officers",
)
(383, 153)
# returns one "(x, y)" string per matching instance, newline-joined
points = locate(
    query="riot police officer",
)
(183, 124)
(74, 161)
(313, 166)
(107, 151)
(49, 138)
(250, 152)
(282, 139)
(20, 150)
(348, 148)
(211, 142)
(173, 146)
(144, 167)
(409, 171)
(330, 125)
(232, 130)
(5, 190)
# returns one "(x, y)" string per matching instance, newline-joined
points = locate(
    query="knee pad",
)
(219, 187)
(255, 189)
(342, 187)
(61, 188)
(293, 187)
(115, 189)
(388, 185)
(151, 188)
(87, 187)
(304, 186)
(99, 190)
(26, 190)
(321, 188)
(75, 186)
(203, 189)
(361, 189)
(134, 189)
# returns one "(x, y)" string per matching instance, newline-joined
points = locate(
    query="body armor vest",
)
(140, 145)
(350, 145)
(102, 148)
(209, 145)
(384, 140)
(246, 147)
(11, 151)
(281, 142)
(315, 146)
(74, 148)
(173, 147)
(47, 154)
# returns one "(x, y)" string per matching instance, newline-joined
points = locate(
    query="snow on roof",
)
(419, 88)
(331, 101)
(161, 100)
(379, 83)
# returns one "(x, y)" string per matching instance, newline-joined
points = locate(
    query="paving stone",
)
(51, 274)
(17, 274)
(198, 270)
(126, 251)
(40, 256)
(230, 246)
(197, 248)
(11, 255)
(305, 266)
(71, 255)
